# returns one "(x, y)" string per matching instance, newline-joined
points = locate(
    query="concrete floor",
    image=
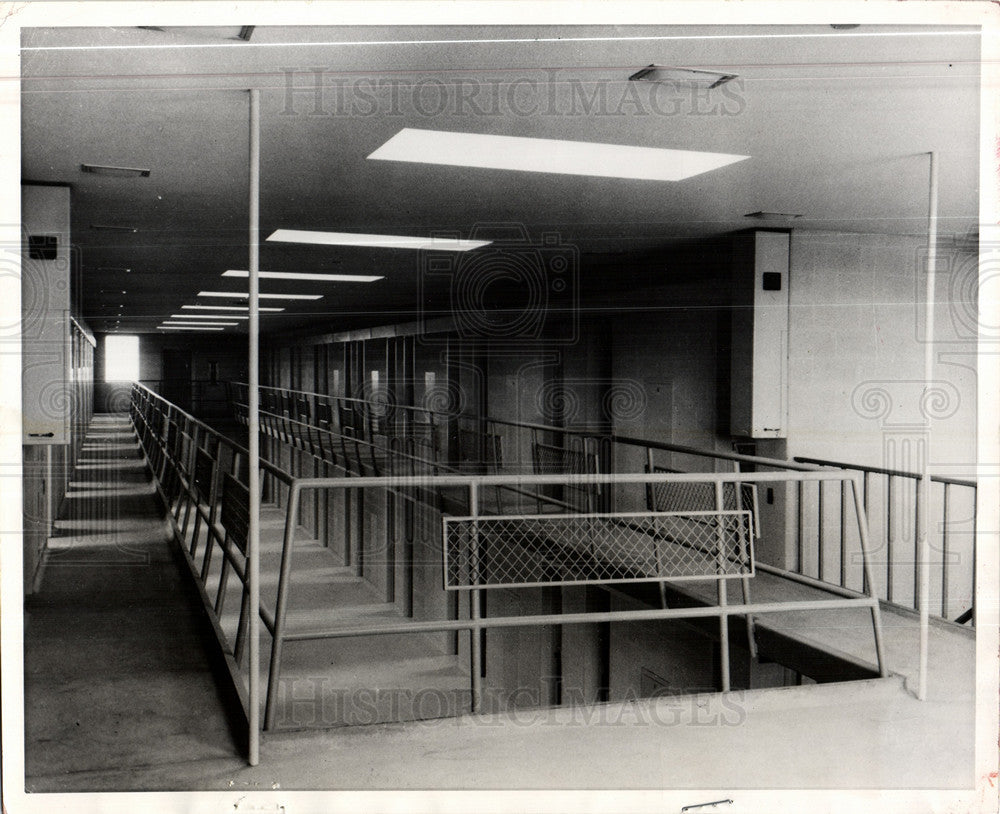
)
(120, 696)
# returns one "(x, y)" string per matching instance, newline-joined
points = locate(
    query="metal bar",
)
(975, 549)
(878, 470)
(923, 554)
(397, 481)
(820, 535)
(944, 552)
(829, 587)
(660, 445)
(474, 604)
(253, 429)
(799, 541)
(745, 543)
(279, 473)
(872, 593)
(888, 540)
(720, 538)
(843, 533)
(581, 618)
(281, 605)
(864, 500)
(919, 533)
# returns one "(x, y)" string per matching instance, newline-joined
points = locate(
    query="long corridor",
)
(117, 675)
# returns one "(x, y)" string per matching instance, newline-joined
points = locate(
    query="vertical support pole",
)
(888, 539)
(720, 535)
(475, 648)
(923, 565)
(253, 429)
(800, 528)
(843, 534)
(651, 491)
(864, 500)
(944, 551)
(872, 593)
(281, 604)
(821, 537)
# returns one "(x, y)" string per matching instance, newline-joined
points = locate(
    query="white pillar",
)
(253, 423)
(923, 549)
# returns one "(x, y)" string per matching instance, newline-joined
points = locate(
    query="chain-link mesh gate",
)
(532, 550)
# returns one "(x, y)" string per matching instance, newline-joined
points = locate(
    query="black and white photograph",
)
(500, 407)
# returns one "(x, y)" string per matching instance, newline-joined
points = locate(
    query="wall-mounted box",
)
(759, 372)
(46, 384)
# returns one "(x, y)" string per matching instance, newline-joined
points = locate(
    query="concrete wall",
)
(856, 348)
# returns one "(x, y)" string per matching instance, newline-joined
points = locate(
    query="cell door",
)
(175, 382)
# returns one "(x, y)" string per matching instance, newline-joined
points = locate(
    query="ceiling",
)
(835, 124)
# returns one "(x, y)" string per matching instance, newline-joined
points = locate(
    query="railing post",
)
(723, 598)
(843, 534)
(475, 648)
(799, 540)
(281, 604)
(821, 539)
(889, 538)
(944, 552)
(872, 593)
(864, 500)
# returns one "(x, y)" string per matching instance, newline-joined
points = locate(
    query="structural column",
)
(253, 442)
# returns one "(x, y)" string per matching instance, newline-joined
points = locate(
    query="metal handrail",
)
(275, 619)
(242, 450)
(896, 473)
(492, 425)
(477, 623)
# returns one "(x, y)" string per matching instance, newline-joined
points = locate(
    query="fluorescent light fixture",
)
(110, 227)
(226, 308)
(185, 328)
(761, 215)
(549, 155)
(209, 316)
(686, 76)
(445, 244)
(305, 275)
(207, 322)
(243, 295)
(115, 172)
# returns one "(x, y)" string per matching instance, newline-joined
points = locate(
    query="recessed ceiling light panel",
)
(243, 295)
(109, 227)
(305, 275)
(682, 76)
(226, 308)
(209, 316)
(762, 215)
(115, 172)
(186, 328)
(549, 155)
(447, 244)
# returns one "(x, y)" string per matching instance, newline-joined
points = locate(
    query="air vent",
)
(686, 76)
(43, 247)
(107, 227)
(115, 172)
